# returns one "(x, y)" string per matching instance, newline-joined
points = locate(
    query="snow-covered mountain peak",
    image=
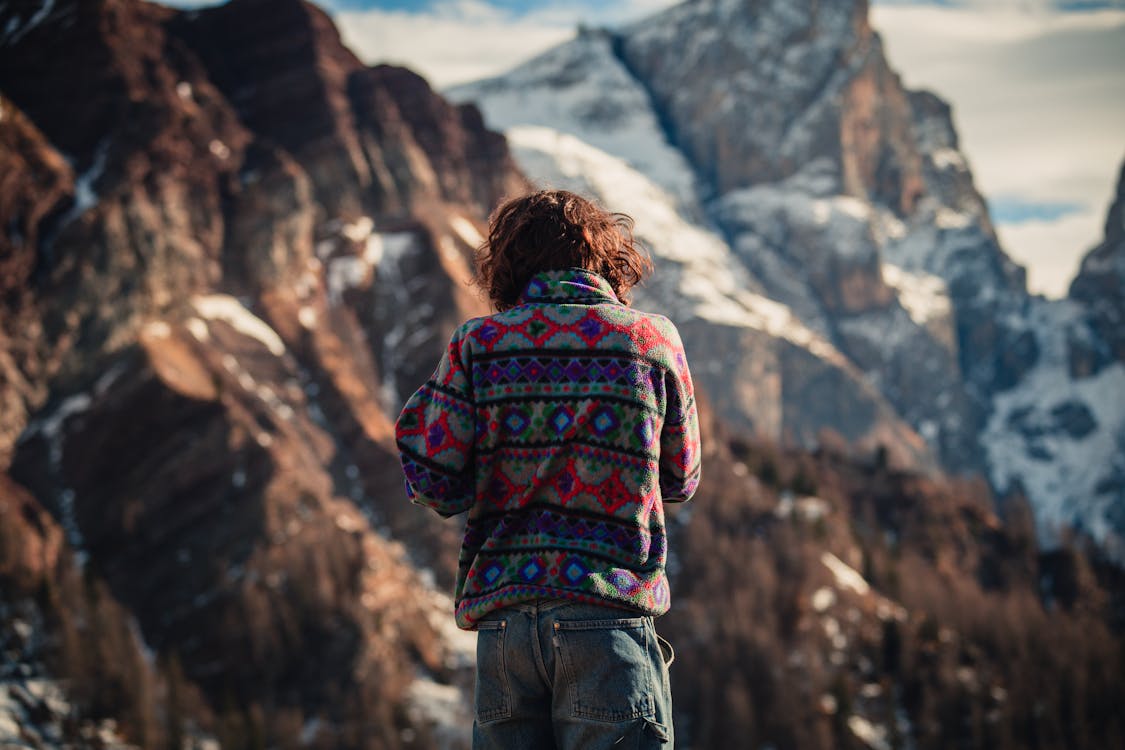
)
(566, 89)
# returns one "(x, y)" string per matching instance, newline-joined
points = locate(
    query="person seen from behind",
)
(561, 424)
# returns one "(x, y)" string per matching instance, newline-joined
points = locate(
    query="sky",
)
(1037, 88)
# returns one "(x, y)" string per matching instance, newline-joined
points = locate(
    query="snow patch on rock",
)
(359, 230)
(467, 231)
(924, 296)
(394, 292)
(15, 30)
(565, 90)
(846, 576)
(229, 310)
(1062, 438)
(872, 735)
(346, 273)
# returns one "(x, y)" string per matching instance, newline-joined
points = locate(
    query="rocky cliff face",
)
(1100, 287)
(37, 189)
(809, 82)
(205, 337)
(801, 173)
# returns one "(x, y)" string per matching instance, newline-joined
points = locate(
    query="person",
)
(561, 423)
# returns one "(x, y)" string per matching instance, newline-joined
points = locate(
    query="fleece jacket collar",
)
(571, 286)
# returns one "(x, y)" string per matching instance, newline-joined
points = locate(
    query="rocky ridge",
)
(1100, 288)
(203, 330)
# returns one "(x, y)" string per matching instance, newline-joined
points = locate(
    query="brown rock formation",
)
(36, 185)
(210, 222)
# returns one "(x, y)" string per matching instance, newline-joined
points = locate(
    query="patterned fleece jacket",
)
(561, 425)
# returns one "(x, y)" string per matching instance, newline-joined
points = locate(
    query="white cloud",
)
(446, 49)
(457, 41)
(1047, 249)
(1038, 101)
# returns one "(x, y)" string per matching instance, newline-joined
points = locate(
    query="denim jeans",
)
(557, 674)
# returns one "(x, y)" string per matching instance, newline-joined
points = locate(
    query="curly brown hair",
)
(555, 229)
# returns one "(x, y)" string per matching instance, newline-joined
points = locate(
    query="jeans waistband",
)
(548, 604)
(542, 605)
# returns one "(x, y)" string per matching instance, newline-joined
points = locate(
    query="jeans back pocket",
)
(493, 695)
(608, 668)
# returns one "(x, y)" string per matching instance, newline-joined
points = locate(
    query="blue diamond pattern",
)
(492, 572)
(531, 571)
(574, 571)
(562, 419)
(605, 421)
(516, 421)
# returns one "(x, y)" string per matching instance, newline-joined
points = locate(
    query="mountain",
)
(229, 250)
(817, 229)
(208, 307)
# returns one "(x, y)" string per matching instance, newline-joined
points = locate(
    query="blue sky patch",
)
(1012, 209)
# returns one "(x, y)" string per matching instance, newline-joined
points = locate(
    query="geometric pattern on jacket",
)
(561, 425)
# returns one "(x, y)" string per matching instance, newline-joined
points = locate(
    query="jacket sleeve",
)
(680, 448)
(435, 435)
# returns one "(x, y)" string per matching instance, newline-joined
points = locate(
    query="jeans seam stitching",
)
(504, 710)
